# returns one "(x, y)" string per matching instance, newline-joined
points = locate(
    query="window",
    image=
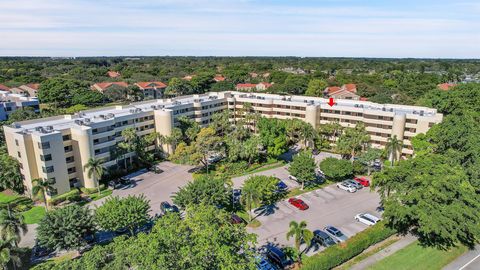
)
(44, 145)
(73, 182)
(69, 159)
(19, 155)
(47, 157)
(71, 170)
(52, 192)
(66, 137)
(68, 148)
(48, 169)
(16, 142)
(20, 165)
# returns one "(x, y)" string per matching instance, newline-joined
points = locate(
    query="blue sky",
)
(430, 29)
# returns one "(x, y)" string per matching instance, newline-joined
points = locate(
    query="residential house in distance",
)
(219, 78)
(4, 88)
(446, 86)
(152, 90)
(188, 77)
(246, 86)
(11, 102)
(113, 74)
(103, 86)
(30, 90)
(347, 91)
(253, 74)
(263, 86)
(251, 86)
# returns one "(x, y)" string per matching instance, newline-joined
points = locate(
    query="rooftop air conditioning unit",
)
(422, 113)
(132, 110)
(50, 128)
(87, 121)
(391, 109)
(79, 122)
(111, 115)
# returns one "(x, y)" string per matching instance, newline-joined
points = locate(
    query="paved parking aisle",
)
(280, 172)
(328, 206)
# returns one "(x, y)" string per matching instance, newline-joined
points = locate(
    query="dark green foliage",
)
(204, 189)
(23, 114)
(303, 167)
(65, 227)
(72, 196)
(338, 254)
(336, 169)
(123, 213)
(266, 186)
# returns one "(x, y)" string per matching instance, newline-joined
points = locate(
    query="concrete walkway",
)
(405, 241)
(468, 261)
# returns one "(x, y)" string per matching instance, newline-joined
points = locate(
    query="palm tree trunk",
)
(45, 200)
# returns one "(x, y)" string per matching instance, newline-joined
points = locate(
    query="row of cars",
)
(352, 185)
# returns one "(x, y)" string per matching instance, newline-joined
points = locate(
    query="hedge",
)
(72, 196)
(341, 253)
(89, 191)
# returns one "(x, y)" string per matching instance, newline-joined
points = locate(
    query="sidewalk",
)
(469, 260)
(405, 241)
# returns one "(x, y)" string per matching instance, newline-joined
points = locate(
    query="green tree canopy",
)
(65, 228)
(336, 169)
(303, 167)
(204, 189)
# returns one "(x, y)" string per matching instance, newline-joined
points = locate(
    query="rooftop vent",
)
(111, 115)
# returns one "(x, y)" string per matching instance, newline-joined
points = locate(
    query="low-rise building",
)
(347, 91)
(446, 86)
(113, 74)
(57, 148)
(219, 78)
(103, 86)
(152, 90)
(30, 90)
(246, 86)
(11, 102)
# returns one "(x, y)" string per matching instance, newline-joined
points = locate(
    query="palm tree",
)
(393, 148)
(250, 196)
(308, 134)
(301, 234)
(12, 225)
(42, 187)
(95, 170)
(8, 252)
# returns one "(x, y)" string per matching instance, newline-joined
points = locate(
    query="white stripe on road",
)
(468, 263)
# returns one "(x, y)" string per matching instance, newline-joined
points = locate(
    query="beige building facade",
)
(57, 148)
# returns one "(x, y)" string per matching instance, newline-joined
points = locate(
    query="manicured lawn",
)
(417, 257)
(34, 215)
(104, 193)
(253, 224)
(7, 198)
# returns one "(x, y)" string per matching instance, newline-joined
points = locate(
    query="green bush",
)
(340, 253)
(358, 167)
(72, 196)
(20, 204)
(88, 191)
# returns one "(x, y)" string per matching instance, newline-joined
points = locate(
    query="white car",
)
(291, 177)
(367, 219)
(347, 187)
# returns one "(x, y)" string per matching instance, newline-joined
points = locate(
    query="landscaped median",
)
(340, 253)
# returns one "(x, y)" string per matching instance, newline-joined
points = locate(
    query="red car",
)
(298, 203)
(362, 181)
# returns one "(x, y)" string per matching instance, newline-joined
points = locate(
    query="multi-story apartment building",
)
(11, 102)
(57, 148)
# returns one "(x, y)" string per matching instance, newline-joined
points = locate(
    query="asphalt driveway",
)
(328, 206)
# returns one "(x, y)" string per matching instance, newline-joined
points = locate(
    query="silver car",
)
(354, 183)
(335, 234)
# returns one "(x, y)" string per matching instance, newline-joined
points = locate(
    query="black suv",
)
(277, 256)
(323, 238)
(166, 207)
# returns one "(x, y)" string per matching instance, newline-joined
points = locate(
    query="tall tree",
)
(303, 167)
(301, 234)
(12, 225)
(368, 158)
(95, 170)
(206, 144)
(250, 196)
(316, 87)
(10, 177)
(8, 253)
(204, 189)
(42, 187)
(353, 140)
(123, 213)
(66, 228)
(393, 149)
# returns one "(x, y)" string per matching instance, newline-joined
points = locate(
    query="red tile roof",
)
(446, 86)
(246, 85)
(113, 74)
(33, 85)
(351, 87)
(333, 89)
(219, 78)
(144, 85)
(364, 99)
(105, 85)
(4, 88)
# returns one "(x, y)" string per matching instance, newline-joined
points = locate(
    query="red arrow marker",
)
(331, 102)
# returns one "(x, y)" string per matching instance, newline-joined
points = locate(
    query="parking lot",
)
(328, 206)
(156, 187)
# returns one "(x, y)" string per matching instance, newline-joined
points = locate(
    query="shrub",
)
(20, 204)
(88, 191)
(336, 169)
(340, 253)
(358, 167)
(73, 195)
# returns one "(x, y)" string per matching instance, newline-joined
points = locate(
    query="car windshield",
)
(338, 233)
(369, 219)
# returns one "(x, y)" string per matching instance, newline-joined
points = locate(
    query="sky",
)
(323, 28)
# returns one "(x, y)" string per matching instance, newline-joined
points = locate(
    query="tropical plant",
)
(8, 252)
(303, 167)
(251, 196)
(393, 148)
(42, 187)
(95, 169)
(301, 234)
(12, 225)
